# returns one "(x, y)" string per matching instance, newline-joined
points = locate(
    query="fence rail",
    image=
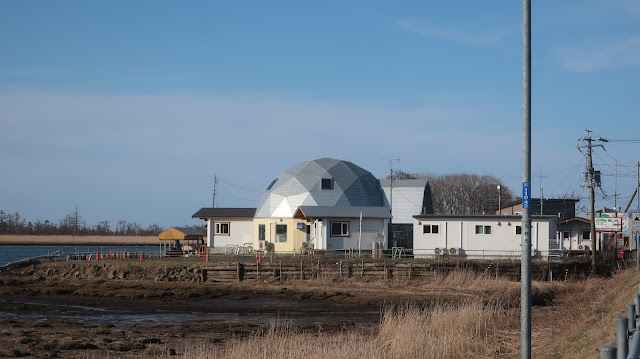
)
(627, 334)
(306, 269)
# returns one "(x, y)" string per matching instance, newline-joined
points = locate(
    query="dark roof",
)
(418, 182)
(545, 201)
(576, 219)
(343, 212)
(188, 231)
(494, 216)
(205, 213)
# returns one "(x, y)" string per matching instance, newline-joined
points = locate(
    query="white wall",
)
(240, 233)
(407, 202)
(372, 230)
(459, 232)
(575, 239)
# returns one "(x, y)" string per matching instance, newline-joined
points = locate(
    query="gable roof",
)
(342, 212)
(417, 182)
(180, 233)
(576, 219)
(206, 213)
(188, 231)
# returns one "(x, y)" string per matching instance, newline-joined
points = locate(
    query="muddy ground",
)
(57, 316)
(70, 310)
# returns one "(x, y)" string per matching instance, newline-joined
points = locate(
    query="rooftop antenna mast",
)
(391, 161)
(215, 180)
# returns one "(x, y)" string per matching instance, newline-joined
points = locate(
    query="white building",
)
(407, 198)
(480, 236)
(228, 228)
(575, 234)
(314, 205)
(354, 227)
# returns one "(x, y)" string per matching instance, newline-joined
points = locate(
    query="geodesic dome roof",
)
(321, 182)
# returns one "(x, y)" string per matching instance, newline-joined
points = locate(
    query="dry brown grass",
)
(579, 320)
(584, 316)
(447, 331)
(79, 240)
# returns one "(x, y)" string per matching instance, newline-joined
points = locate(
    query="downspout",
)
(446, 235)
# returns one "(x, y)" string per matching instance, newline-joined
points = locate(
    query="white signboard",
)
(608, 224)
(636, 225)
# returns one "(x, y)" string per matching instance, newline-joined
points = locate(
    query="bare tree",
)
(462, 193)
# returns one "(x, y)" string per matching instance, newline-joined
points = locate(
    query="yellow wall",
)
(295, 236)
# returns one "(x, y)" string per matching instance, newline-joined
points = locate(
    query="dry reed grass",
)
(468, 330)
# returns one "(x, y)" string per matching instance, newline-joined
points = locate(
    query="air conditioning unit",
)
(440, 251)
(455, 251)
(262, 245)
(581, 247)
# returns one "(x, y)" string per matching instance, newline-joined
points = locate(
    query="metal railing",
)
(627, 334)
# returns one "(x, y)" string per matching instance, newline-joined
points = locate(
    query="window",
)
(222, 228)
(339, 229)
(566, 235)
(586, 235)
(272, 183)
(430, 228)
(281, 233)
(483, 229)
(518, 229)
(327, 183)
(261, 231)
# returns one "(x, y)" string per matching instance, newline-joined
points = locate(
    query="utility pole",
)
(592, 184)
(215, 180)
(525, 243)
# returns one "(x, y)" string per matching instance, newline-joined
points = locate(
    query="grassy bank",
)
(581, 319)
(79, 240)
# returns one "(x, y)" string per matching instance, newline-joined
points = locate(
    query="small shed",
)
(182, 238)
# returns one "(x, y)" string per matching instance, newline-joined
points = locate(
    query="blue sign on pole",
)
(526, 194)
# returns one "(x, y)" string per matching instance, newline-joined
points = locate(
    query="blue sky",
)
(128, 109)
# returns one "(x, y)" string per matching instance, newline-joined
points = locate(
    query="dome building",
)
(322, 204)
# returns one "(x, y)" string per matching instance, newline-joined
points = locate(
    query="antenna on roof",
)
(391, 161)
(215, 180)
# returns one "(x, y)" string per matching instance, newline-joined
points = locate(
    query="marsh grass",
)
(468, 330)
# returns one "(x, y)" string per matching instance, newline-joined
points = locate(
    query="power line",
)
(235, 185)
(243, 199)
(627, 141)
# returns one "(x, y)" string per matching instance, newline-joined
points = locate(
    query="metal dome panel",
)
(301, 185)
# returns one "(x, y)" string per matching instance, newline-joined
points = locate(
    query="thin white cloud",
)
(473, 37)
(25, 72)
(602, 54)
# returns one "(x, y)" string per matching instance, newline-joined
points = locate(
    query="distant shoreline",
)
(27, 240)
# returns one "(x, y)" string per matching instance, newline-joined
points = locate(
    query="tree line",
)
(72, 224)
(463, 193)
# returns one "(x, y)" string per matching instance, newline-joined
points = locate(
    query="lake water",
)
(10, 254)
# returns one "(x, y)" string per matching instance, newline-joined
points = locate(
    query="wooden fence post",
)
(240, 271)
(388, 272)
(203, 275)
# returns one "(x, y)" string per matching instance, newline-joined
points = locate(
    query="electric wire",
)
(237, 186)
